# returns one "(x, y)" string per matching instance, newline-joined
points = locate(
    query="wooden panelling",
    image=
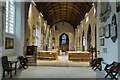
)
(72, 12)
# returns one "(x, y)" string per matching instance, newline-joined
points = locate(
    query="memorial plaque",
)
(107, 31)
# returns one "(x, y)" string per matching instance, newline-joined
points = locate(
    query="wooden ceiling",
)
(71, 12)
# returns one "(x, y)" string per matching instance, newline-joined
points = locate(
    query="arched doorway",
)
(89, 39)
(83, 42)
(64, 42)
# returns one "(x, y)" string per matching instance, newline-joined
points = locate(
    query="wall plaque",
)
(102, 32)
(102, 42)
(117, 6)
(113, 29)
(105, 11)
(9, 43)
(104, 50)
(107, 31)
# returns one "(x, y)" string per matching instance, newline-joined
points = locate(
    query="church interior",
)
(60, 39)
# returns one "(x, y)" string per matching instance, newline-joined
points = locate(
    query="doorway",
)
(64, 42)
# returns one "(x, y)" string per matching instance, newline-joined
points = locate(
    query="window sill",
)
(9, 34)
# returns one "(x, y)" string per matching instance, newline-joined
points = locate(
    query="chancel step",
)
(31, 60)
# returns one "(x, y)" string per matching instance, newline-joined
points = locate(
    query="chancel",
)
(66, 39)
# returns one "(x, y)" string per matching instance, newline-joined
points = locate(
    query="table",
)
(75, 55)
(47, 55)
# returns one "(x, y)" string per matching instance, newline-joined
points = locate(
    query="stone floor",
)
(58, 72)
(61, 68)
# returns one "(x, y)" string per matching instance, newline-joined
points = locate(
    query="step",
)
(32, 62)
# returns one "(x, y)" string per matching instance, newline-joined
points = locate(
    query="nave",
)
(60, 39)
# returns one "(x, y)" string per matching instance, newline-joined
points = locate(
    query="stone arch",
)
(83, 41)
(64, 45)
(89, 38)
(68, 29)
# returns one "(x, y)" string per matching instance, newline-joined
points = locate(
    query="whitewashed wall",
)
(112, 48)
(119, 36)
(18, 36)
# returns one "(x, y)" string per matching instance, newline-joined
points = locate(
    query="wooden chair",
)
(112, 69)
(93, 63)
(23, 62)
(8, 66)
(96, 64)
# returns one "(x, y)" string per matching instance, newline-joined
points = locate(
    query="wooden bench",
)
(112, 70)
(78, 55)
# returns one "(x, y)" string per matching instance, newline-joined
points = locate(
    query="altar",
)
(79, 55)
(48, 55)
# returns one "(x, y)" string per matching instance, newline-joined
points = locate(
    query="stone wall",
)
(67, 29)
(37, 29)
(84, 25)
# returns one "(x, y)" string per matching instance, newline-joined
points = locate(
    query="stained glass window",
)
(64, 39)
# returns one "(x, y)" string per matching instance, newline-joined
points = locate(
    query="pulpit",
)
(31, 50)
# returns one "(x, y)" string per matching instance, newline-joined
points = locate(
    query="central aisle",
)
(62, 61)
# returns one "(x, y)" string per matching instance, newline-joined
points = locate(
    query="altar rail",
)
(47, 55)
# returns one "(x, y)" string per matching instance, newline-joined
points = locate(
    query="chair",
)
(93, 62)
(23, 62)
(96, 63)
(8, 66)
(112, 69)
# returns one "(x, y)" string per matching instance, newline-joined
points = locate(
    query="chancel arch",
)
(63, 28)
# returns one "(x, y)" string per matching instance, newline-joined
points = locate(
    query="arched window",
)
(10, 16)
(83, 39)
(64, 39)
(64, 42)
(83, 42)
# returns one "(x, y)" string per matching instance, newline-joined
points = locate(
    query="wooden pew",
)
(47, 55)
(78, 55)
